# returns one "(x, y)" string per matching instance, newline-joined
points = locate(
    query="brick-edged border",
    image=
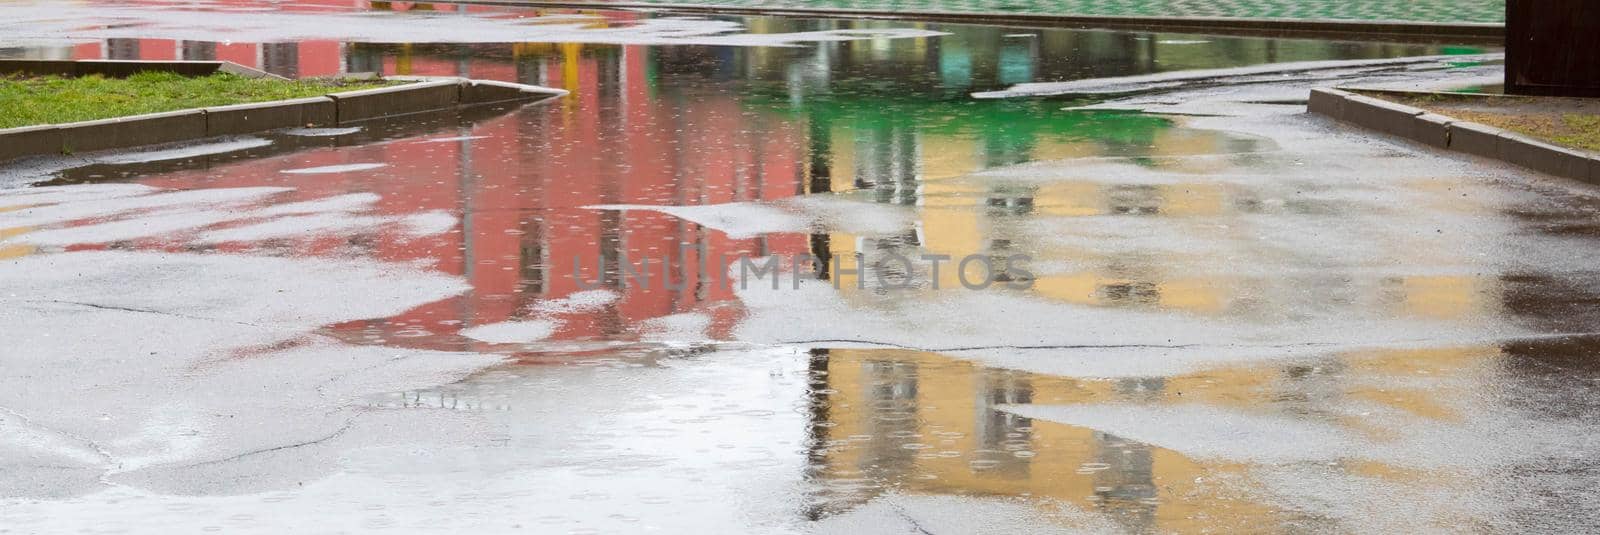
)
(334, 109)
(1453, 134)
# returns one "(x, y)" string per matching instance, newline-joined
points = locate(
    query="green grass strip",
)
(31, 100)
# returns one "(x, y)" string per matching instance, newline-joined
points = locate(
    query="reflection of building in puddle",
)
(705, 125)
(949, 225)
(923, 423)
(441, 398)
(893, 148)
(518, 182)
(961, 214)
(13, 250)
(913, 422)
(1168, 246)
(964, 446)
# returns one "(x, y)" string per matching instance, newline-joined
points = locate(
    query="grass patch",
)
(1571, 130)
(1567, 122)
(31, 100)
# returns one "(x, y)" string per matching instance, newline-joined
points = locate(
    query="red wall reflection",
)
(319, 58)
(520, 186)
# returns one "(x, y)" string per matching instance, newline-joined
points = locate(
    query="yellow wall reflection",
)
(927, 423)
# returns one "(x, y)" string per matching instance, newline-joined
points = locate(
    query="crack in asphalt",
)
(900, 510)
(136, 310)
(321, 388)
(111, 462)
(348, 424)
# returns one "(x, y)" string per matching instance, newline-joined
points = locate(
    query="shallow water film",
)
(784, 275)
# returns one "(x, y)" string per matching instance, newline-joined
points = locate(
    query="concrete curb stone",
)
(397, 100)
(261, 116)
(1381, 115)
(39, 67)
(1329, 102)
(490, 91)
(1442, 131)
(1432, 129)
(120, 68)
(29, 140)
(148, 129)
(125, 68)
(246, 72)
(1475, 139)
(1543, 157)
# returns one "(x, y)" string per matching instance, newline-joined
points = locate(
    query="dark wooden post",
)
(1553, 47)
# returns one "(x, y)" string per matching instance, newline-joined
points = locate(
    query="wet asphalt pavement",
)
(1239, 318)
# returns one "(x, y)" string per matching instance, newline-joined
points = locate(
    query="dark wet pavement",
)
(1242, 324)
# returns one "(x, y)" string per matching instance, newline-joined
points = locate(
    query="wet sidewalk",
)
(1233, 317)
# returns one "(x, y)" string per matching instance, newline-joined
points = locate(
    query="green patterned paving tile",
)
(1439, 11)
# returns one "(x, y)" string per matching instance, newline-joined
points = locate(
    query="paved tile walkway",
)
(1439, 11)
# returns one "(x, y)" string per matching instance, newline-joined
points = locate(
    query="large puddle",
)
(886, 121)
(1221, 327)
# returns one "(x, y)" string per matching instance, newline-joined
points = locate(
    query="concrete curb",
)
(111, 68)
(1452, 134)
(398, 100)
(1486, 32)
(262, 116)
(132, 131)
(433, 94)
(490, 92)
(30, 140)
